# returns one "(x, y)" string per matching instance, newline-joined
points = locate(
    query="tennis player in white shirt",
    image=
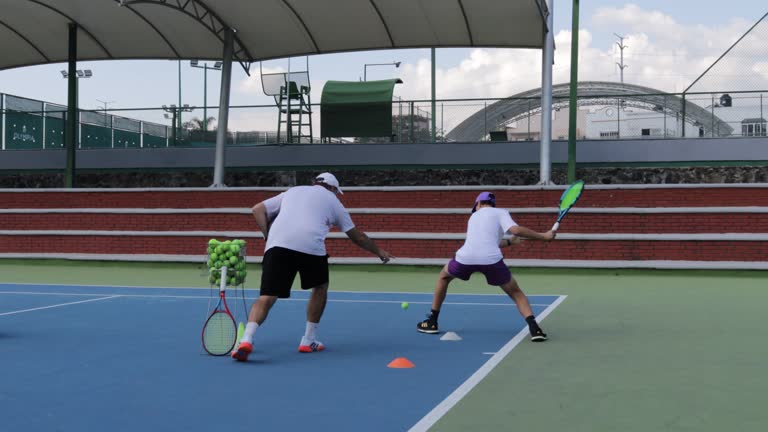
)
(295, 243)
(481, 253)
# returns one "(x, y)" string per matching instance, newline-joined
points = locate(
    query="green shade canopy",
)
(357, 108)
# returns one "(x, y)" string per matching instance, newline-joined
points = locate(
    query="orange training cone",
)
(401, 363)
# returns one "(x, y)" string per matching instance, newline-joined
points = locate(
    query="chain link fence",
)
(28, 124)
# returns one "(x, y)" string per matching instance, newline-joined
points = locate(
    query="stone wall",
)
(394, 177)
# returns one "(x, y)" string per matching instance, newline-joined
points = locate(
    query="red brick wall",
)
(452, 223)
(666, 197)
(561, 249)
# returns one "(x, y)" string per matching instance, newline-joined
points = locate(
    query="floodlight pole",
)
(205, 68)
(70, 136)
(205, 101)
(179, 117)
(545, 162)
(434, 108)
(573, 103)
(221, 131)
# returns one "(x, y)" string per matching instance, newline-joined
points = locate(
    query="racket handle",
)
(555, 226)
(223, 282)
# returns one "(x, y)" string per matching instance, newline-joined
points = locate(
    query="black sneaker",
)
(427, 326)
(538, 335)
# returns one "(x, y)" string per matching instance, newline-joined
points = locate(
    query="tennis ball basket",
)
(229, 254)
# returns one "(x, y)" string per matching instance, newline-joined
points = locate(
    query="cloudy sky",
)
(670, 43)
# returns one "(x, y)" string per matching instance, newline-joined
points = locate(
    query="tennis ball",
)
(213, 242)
(404, 305)
(214, 257)
(219, 250)
(233, 260)
(235, 249)
(217, 264)
(210, 263)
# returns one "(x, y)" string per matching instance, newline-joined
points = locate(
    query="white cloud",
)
(662, 54)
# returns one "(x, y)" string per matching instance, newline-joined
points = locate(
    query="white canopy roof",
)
(35, 31)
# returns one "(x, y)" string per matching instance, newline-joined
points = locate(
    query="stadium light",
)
(205, 67)
(365, 67)
(79, 73)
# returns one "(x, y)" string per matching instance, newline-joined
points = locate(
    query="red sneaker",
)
(242, 351)
(308, 347)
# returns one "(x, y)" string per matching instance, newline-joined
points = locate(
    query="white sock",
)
(311, 333)
(250, 329)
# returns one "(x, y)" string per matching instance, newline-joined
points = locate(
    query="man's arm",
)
(521, 231)
(260, 214)
(364, 242)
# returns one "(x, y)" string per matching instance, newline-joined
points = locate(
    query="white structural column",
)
(548, 56)
(221, 132)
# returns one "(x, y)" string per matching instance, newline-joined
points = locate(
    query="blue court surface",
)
(78, 358)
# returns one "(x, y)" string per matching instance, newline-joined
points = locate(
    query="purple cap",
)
(484, 196)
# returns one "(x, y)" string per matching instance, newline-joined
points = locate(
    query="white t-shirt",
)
(485, 230)
(303, 215)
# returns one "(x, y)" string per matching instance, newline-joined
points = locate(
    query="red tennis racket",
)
(220, 332)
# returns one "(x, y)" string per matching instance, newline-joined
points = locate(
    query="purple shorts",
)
(496, 274)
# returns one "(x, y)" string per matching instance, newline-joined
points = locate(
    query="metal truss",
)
(199, 11)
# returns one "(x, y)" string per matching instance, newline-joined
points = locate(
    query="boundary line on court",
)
(449, 402)
(59, 305)
(164, 296)
(254, 289)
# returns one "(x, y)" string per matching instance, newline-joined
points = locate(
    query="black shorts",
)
(280, 266)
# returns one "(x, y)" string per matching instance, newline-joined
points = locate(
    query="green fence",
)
(630, 112)
(29, 124)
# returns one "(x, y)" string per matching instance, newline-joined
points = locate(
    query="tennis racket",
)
(567, 200)
(220, 331)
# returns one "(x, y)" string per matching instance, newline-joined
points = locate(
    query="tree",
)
(196, 124)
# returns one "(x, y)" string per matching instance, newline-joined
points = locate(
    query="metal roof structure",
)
(36, 31)
(591, 93)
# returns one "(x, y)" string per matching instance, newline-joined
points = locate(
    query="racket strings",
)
(219, 334)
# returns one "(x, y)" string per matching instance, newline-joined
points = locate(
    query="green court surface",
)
(629, 350)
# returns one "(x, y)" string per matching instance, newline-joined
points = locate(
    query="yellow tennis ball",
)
(404, 305)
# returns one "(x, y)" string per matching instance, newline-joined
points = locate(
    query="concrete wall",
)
(440, 154)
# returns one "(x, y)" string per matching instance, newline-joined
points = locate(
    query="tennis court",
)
(628, 350)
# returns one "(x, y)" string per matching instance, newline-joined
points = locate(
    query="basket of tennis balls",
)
(230, 254)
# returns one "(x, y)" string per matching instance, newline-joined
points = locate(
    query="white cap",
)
(330, 180)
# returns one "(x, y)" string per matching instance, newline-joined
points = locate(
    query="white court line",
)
(442, 408)
(254, 298)
(330, 290)
(58, 305)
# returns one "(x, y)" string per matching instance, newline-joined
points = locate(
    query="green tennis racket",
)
(567, 200)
